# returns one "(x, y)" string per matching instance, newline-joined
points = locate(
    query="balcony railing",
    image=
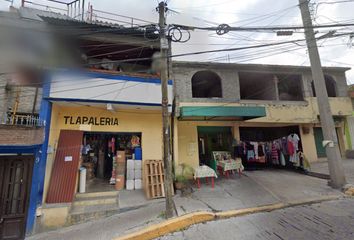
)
(22, 120)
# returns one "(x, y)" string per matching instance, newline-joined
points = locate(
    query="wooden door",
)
(15, 184)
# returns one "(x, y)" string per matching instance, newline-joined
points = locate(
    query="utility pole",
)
(329, 132)
(165, 121)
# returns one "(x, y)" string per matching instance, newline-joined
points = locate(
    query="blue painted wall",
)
(39, 167)
(40, 155)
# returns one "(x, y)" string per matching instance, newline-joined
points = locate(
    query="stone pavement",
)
(348, 165)
(326, 220)
(254, 188)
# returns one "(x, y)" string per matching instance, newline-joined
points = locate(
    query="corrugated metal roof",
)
(35, 14)
(102, 27)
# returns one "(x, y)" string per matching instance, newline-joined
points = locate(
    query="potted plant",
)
(180, 182)
(184, 173)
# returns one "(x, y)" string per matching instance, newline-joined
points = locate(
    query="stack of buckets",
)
(134, 171)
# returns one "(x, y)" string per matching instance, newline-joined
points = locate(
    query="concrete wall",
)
(147, 122)
(183, 87)
(52, 216)
(183, 72)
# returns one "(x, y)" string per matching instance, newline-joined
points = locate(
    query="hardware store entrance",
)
(15, 184)
(99, 157)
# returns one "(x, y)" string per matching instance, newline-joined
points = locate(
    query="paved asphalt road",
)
(326, 220)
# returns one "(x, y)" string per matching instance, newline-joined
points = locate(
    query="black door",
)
(15, 183)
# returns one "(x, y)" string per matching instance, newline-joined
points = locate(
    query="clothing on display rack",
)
(281, 151)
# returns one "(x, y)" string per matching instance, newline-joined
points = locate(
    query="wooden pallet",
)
(154, 179)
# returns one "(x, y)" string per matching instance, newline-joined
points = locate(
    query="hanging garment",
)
(261, 154)
(275, 156)
(295, 140)
(284, 146)
(290, 145)
(282, 159)
(250, 155)
(261, 150)
(293, 145)
(268, 152)
(255, 149)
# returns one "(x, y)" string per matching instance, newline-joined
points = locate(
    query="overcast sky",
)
(334, 52)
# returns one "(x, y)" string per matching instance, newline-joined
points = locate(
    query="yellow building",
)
(101, 123)
(221, 105)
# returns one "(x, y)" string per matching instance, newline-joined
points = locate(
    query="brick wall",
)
(26, 99)
(16, 135)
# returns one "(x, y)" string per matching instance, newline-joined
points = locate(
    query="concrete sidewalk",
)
(253, 189)
(348, 165)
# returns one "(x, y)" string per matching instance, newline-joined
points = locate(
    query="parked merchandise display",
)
(282, 152)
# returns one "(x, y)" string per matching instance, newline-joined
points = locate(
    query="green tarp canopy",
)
(223, 112)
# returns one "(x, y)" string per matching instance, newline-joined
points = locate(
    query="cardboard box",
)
(120, 171)
(120, 182)
(120, 156)
(138, 184)
(130, 184)
(121, 168)
(130, 164)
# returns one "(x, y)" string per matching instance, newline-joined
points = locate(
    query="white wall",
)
(138, 90)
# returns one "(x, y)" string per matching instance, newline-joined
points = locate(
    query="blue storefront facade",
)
(30, 154)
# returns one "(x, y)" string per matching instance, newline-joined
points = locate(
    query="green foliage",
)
(184, 173)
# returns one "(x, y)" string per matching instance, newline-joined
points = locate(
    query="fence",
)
(22, 120)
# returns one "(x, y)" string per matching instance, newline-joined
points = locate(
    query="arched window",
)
(331, 86)
(206, 84)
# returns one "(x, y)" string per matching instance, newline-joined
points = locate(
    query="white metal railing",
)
(76, 9)
(22, 120)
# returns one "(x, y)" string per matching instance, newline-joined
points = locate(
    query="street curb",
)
(187, 220)
(170, 225)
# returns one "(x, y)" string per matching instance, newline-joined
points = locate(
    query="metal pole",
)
(329, 132)
(165, 121)
(83, 11)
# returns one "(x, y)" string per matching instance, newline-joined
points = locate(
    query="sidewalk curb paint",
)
(240, 212)
(187, 220)
(170, 225)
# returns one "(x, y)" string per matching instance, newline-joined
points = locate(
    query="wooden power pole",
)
(329, 132)
(165, 118)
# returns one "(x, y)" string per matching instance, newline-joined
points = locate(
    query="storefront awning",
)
(221, 113)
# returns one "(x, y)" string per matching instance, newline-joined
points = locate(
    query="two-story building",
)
(222, 105)
(108, 97)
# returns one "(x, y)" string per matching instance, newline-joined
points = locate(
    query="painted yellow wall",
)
(188, 140)
(289, 112)
(308, 142)
(144, 121)
(54, 216)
